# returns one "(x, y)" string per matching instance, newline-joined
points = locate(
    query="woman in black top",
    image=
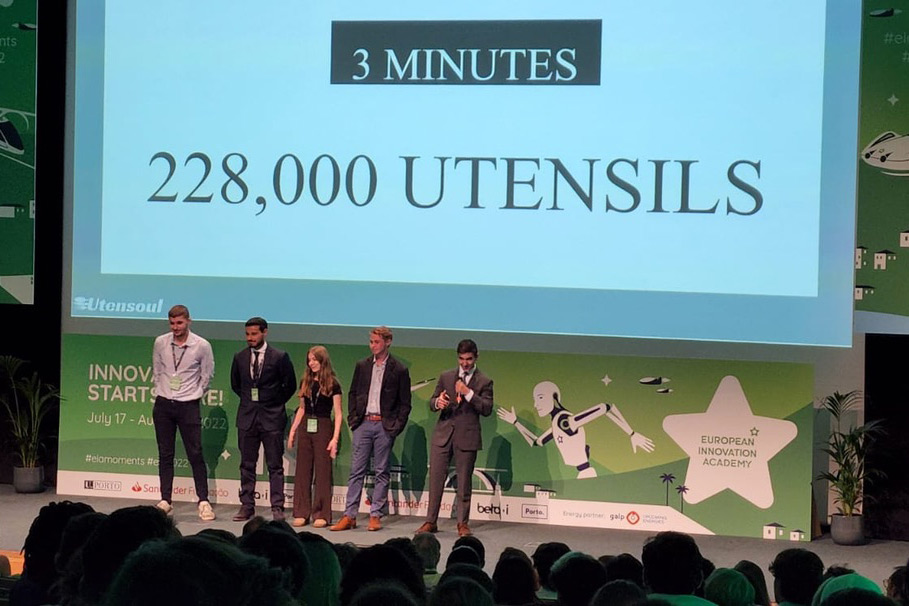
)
(316, 435)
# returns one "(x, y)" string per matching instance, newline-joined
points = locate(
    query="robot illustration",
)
(568, 429)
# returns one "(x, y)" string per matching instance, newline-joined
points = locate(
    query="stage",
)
(875, 560)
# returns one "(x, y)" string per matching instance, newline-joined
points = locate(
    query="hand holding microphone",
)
(461, 390)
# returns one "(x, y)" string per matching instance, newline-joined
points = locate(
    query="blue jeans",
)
(369, 439)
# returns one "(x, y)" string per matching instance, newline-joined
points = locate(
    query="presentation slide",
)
(683, 172)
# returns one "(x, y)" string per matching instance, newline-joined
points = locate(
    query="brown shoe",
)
(298, 522)
(244, 514)
(427, 527)
(345, 523)
(464, 530)
(375, 523)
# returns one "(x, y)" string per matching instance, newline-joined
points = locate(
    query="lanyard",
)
(174, 355)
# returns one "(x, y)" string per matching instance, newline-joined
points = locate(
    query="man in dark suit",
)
(263, 377)
(461, 396)
(378, 405)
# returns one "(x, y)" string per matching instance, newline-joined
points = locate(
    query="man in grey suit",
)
(461, 396)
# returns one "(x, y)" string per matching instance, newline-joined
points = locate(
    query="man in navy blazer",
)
(263, 376)
(378, 406)
(462, 395)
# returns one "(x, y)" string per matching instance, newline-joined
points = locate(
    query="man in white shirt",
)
(183, 367)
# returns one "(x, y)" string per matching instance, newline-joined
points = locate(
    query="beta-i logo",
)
(495, 510)
(633, 517)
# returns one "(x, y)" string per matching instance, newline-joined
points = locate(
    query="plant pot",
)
(28, 479)
(847, 530)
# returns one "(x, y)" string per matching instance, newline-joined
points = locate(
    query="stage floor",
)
(875, 560)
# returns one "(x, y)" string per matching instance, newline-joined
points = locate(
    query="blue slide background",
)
(704, 81)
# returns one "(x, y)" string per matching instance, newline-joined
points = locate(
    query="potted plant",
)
(847, 446)
(26, 400)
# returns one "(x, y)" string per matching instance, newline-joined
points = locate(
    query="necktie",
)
(255, 364)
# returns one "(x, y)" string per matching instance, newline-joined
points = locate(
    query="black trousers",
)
(273, 443)
(169, 416)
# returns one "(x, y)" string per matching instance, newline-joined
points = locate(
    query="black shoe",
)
(277, 514)
(244, 514)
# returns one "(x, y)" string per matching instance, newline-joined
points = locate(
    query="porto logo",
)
(544, 52)
(105, 485)
(534, 512)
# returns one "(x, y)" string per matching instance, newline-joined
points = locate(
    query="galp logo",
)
(136, 487)
(633, 517)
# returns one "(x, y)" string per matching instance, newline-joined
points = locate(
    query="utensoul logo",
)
(100, 304)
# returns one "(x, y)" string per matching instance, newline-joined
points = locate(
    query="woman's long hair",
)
(326, 377)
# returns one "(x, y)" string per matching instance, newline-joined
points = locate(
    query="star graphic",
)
(893, 100)
(729, 446)
(606, 380)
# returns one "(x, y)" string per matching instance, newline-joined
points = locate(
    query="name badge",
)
(312, 425)
(175, 383)
(254, 394)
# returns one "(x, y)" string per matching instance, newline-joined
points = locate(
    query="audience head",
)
(196, 571)
(407, 549)
(672, 564)
(625, 567)
(345, 553)
(797, 573)
(43, 540)
(458, 591)
(74, 536)
(252, 525)
(218, 534)
(386, 593)
(576, 577)
(857, 597)
(896, 586)
(836, 570)
(380, 563)
(470, 571)
(427, 545)
(463, 554)
(474, 543)
(842, 582)
(755, 576)
(619, 592)
(728, 587)
(324, 578)
(117, 536)
(515, 580)
(544, 557)
(281, 548)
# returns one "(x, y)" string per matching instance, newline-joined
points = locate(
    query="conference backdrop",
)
(882, 242)
(716, 446)
(18, 123)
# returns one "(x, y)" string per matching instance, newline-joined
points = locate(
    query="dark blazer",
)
(461, 422)
(277, 383)
(394, 400)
